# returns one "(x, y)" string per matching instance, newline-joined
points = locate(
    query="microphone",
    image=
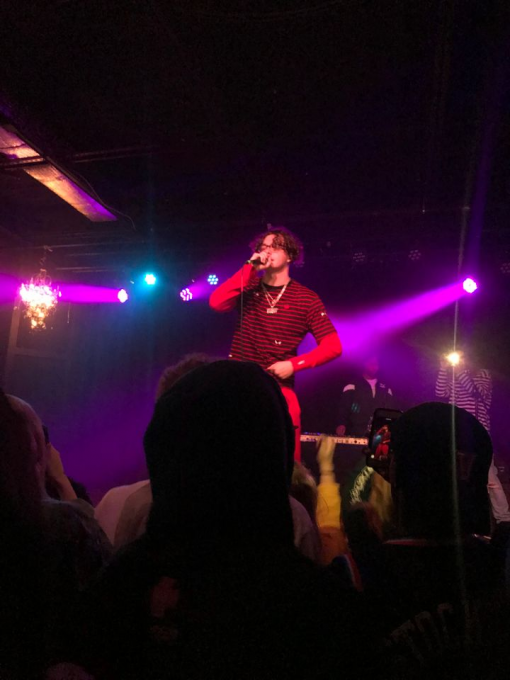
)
(254, 260)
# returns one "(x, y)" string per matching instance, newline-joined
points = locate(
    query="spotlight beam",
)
(81, 294)
(362, 329)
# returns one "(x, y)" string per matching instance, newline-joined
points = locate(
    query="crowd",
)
(230, 561)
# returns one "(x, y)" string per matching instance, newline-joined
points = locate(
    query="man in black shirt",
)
(361, 398)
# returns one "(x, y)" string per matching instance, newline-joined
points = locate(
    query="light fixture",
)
(122, 295)
(186, 295)
(454, 358)
(39, 299)
(150, 279)
(359, 256)
(212, 280)
(17, 150)
(469, 285)
(505, 268)
(414, 255)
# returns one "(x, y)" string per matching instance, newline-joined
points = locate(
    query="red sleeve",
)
(224, 297)
(328, 348)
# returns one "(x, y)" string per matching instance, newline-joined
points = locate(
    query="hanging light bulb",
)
(39, 299)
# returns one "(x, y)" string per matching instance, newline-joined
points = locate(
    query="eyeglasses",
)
(265, 247)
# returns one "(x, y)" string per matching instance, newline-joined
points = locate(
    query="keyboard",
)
(353, 441)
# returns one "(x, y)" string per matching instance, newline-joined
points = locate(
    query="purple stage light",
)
(9, 288)
(359, 256)
(81, 294)
(122, 295)
(414, 255)
(469, 285)
(186, 295)
(212, 280)
(361, 330)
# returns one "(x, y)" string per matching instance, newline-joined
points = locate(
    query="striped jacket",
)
(471, 392)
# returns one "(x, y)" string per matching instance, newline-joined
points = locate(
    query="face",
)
(278, 257)
(371, 366)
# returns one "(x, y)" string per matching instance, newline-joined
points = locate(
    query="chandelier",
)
(39, 299)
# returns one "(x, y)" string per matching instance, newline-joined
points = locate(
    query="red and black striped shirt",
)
(266, 338)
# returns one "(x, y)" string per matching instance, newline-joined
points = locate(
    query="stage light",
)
(122, 295)
(212, 280)
(359, 257)
(186, 295)
(150, 279)
(414, 255)
(469, 285)
(454, 358)
(40, 299)
(505, 268)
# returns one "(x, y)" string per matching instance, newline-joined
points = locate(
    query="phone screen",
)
(379, 443)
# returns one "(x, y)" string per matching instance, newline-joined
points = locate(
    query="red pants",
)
(295, 414)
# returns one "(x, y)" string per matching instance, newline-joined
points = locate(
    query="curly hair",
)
(283, 238)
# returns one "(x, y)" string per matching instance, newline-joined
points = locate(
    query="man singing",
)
(275, 314)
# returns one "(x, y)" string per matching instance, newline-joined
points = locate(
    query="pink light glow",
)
(122, 295)
(364, 329)
(81, 294)
(469, 285)
(39, 299)
(9, 288)
(186, 295)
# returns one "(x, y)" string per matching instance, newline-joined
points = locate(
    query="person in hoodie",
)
(216, 588)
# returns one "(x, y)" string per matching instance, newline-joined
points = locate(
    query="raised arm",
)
(224, 297)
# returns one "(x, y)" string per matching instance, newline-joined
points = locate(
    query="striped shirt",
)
(266, 338)
(470, 392)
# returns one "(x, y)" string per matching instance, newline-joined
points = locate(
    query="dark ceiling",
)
(353, 122)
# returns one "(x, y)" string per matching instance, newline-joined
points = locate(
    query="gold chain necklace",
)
(272, 302)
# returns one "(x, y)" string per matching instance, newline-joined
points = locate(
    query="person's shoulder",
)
(119, 494)
(74, 522)
(299, 288)
(56, 510)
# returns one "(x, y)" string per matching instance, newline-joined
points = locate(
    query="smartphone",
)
(379, 441)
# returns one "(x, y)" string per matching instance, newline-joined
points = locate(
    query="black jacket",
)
(357, 406)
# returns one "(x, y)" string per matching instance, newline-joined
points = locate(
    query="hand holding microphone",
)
(259, 260)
